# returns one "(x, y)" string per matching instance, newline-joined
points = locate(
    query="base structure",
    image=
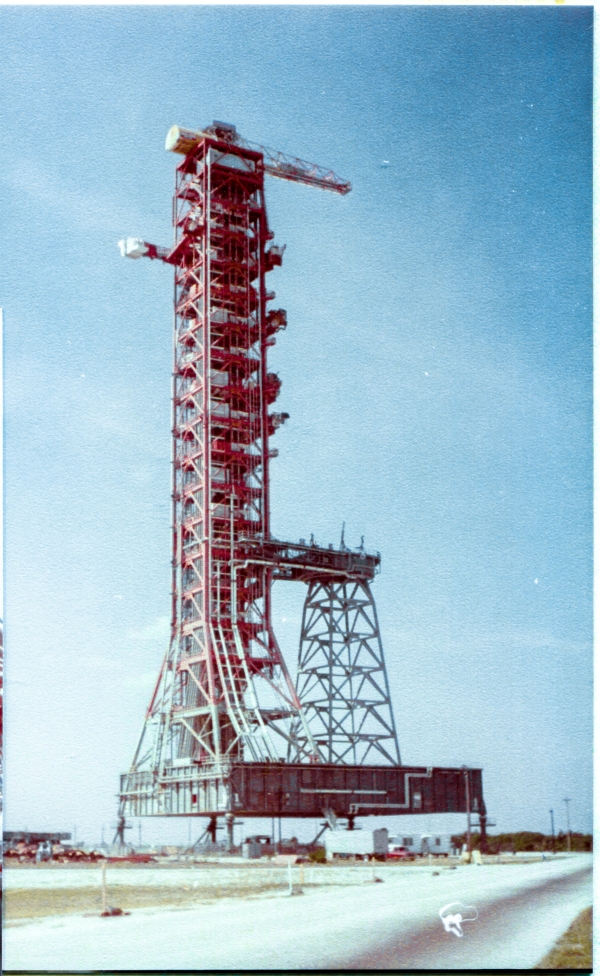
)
(302, 790)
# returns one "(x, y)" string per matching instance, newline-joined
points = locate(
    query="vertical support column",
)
(483, 828)
(206, 710)
(467, 776)
(229, 821)
(206, 707)
(211, 830)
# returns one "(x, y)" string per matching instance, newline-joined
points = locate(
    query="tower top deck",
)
(299, 561)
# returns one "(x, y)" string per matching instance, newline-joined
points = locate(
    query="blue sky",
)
(437, 368)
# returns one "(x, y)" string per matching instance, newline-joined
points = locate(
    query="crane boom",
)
(298, 170)
(276, 163)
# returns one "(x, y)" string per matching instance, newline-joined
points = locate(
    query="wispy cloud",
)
(143, 682)
(532, 640)
(85, 210)
(157, 630)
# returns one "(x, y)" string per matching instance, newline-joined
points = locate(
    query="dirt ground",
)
(57, 890)
(45, 890)
(40, 903)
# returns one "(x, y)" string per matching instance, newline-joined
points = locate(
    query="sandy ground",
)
(200, 875)
(523, 909)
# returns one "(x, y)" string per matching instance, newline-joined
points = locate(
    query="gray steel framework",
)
(342, 681)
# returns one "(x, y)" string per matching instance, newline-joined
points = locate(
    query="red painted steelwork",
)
(205, 708)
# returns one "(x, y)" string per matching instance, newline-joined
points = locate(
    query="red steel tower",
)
(223, 643)
(226, 730)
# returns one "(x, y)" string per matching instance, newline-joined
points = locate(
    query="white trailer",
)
(366, 844)
(424, 844)
(440, 844)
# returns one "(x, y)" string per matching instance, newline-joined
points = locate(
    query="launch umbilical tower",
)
(227, 730)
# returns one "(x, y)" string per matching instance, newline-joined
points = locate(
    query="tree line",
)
(525, 840)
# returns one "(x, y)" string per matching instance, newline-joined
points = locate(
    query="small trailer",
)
(439, 844)
(424, 844)
(365, 844)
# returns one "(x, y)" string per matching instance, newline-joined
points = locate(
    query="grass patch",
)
(41, 903)
(574, 949)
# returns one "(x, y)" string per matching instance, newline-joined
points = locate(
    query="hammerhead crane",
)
(275, 163)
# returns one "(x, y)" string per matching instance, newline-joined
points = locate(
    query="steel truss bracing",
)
(342, 681)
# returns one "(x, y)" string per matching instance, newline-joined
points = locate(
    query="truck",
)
(257, 846)
(365, 844)
(423, 844)
(396, 852)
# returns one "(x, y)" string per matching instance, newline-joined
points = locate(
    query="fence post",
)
(104, 904)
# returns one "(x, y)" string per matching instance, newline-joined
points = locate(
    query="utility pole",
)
(465, 770)
(566, 801)
(552, 822)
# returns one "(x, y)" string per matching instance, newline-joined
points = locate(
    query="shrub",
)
(318, 856)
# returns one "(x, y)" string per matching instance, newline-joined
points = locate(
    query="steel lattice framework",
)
(227, 730)
(207, 708)
(342, 681)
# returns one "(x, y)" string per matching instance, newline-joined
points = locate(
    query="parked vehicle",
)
(396, 852)
(257, 846)
(366, 844)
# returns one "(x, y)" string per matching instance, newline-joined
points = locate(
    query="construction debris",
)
(28, 853)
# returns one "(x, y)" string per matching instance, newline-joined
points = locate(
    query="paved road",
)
(512, 933)
(523, 909)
